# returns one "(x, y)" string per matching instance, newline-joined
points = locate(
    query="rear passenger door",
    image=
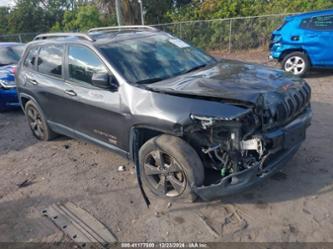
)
(319, 39)
(96, 113)
(45, 79)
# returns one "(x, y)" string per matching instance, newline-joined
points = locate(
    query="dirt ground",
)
(293, 205)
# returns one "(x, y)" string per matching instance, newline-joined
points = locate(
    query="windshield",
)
(10, 55)
(150, 59)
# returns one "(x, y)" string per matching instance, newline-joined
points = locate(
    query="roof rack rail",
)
(63, 35)
(119, 28)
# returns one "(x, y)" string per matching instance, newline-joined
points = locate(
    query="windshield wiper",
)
(147, 81)
(196, 68)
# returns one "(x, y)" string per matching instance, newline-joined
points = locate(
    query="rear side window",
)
(320, 23)
(50, 60)
(30, 60)
(83, 63)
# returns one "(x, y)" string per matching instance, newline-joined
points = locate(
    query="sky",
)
(7, 3)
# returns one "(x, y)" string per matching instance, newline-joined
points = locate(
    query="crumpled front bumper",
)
(287, 141)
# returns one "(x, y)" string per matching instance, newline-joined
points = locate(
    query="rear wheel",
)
(170, 167)
(37, 122)
(296, 63)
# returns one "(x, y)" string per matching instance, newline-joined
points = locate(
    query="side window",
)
(83, 63)
(50, 60)
(320, 23)
(30, 60)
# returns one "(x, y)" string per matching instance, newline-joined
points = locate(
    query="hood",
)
(7, 77)
(7, 73)
(230, 81)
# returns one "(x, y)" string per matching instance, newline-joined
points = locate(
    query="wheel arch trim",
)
(292, 50)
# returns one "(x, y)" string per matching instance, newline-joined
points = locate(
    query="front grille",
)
(292, 104)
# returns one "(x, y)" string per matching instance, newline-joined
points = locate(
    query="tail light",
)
(14, 70)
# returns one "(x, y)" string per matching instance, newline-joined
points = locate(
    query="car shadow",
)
(319, 73)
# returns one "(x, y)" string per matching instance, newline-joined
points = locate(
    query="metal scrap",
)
(79, 225)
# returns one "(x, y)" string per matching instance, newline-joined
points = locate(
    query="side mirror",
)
(104, 80)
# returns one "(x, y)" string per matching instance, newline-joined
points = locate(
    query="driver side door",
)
(96, 114)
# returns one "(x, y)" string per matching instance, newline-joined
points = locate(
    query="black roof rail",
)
(120, 28)
(63, 35)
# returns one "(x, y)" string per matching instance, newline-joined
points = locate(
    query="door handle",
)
(32, 81)
(70, 92)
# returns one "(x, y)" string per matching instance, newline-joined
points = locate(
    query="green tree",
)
(28, 16)
(88, 17)
(85, 17)
(4, 16)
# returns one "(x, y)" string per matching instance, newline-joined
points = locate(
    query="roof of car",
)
(314, 13)
(97, 38)
(9, 44)
(98, 35)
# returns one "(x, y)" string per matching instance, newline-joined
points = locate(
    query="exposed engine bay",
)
(227, 146)
(230, 146)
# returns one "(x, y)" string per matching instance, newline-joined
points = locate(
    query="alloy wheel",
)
(35, 122)
(295, 65)
(164, 174)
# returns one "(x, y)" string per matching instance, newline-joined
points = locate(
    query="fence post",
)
(180, 31)
(20, 38)
(230, 31)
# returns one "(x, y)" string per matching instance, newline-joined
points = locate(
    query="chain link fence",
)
(219, 34)
(226, 34)
(23, 37)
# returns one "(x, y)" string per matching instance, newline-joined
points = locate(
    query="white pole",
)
(141, 10)
(118, 13)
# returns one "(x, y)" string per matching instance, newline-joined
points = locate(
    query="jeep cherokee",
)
(193, 125)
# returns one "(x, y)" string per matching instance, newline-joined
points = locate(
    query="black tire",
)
(297, 63)
(37, 122)
(182, 167)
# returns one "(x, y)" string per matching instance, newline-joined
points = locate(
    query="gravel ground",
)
(293, 205)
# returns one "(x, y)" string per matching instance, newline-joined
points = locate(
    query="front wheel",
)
(170, 167)
(296, 63)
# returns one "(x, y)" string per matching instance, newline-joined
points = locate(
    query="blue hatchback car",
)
(10, 54)
(304, 41)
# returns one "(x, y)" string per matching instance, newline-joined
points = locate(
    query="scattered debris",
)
(209, 227)
(25, 183)
(121, 168)
(169, 204)
(306, 211)
(292, 228)
(79, 225)
(67, 146)
(235, 225)
(157, 214)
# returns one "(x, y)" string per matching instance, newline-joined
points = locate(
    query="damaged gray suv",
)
(193, 125)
